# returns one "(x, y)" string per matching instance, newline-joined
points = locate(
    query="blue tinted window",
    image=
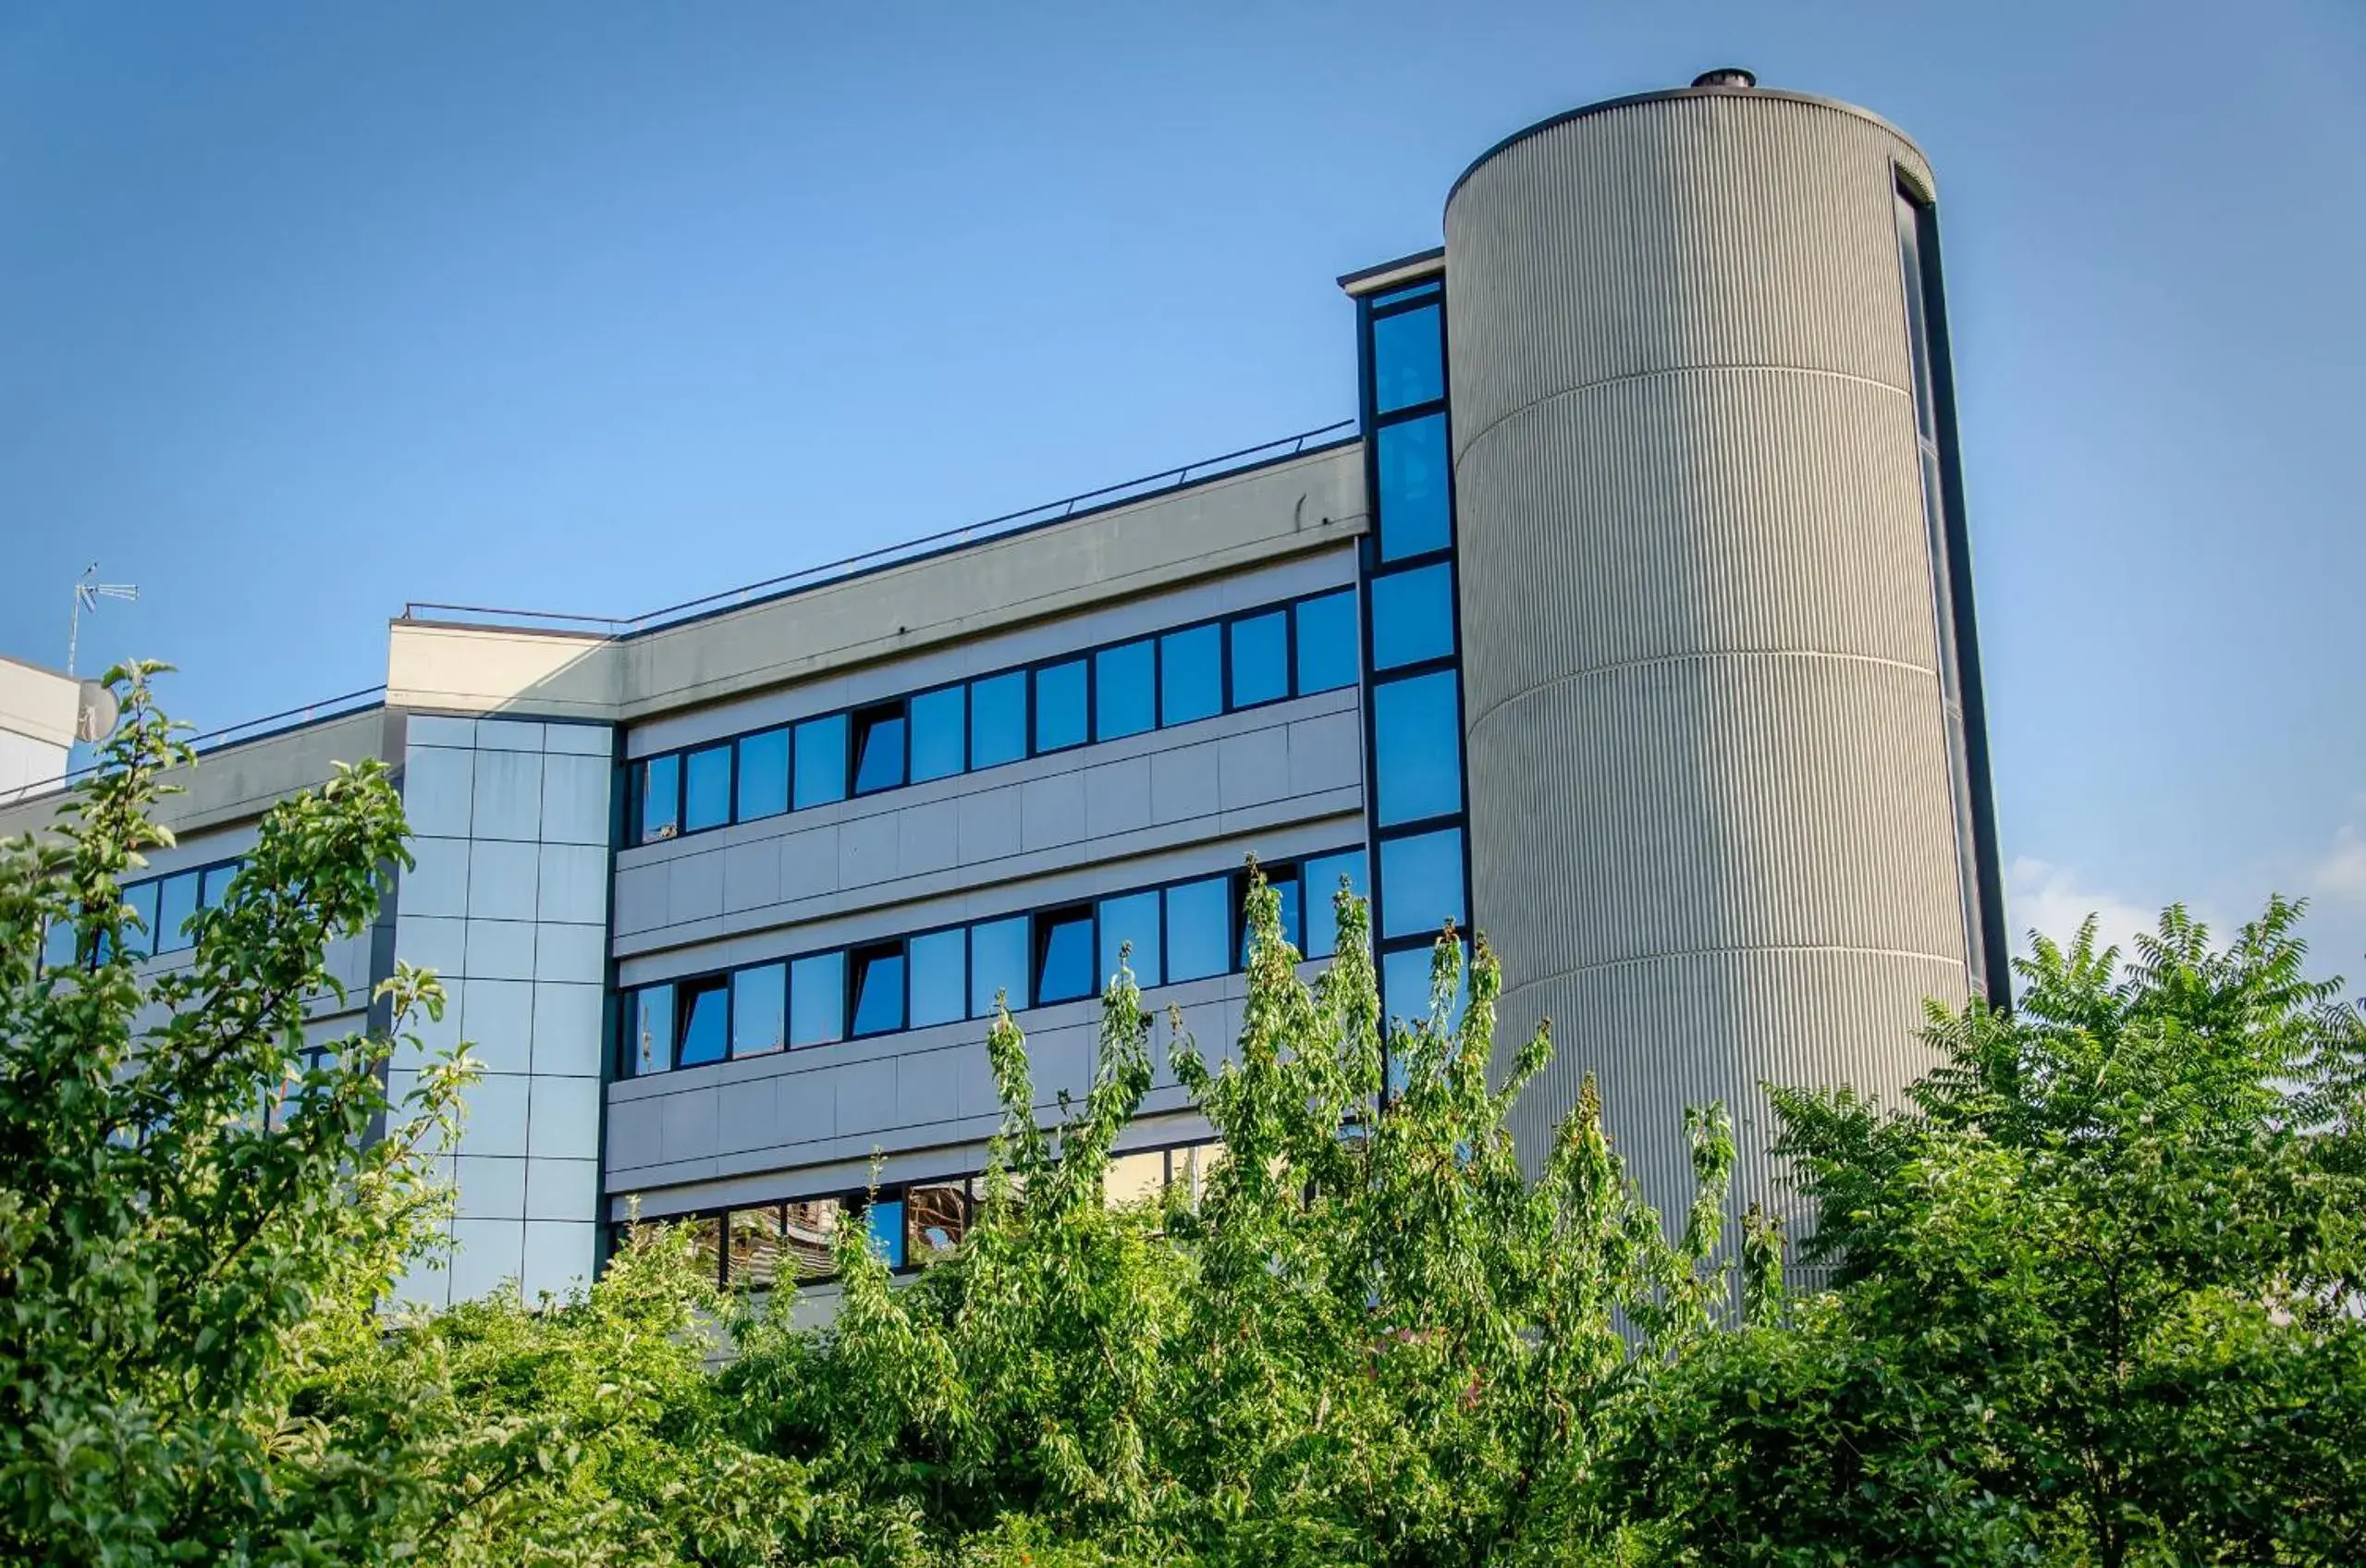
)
(660, 797)
(821, 761)
(175, 903)
(1064, 956)
(759, 1009)
(1322, 875)
(706, 788)
(1199, 929)
(998, 719)
(878, 990)
(818, 1000)
(1408, 360)
(217, 891)
(885, 1222)
(1134, 918)
(764, 773)
(1261, 659)
(939, 978)
(704, 1012)
(1405, 986)
(1125, 690)
(1426, 288)
(1059, 706)
(1417, 512)
(141, 897)
(997, 961)
(1417, 746)
(1421, 884)
(939, 733)
(57, 944)
(1287, 886)
(879, 749)
(1327, 658)
(1413, 616)
(1191, 675)
(649, 1046)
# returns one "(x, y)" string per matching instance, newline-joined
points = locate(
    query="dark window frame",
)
(861, 724)
(859, 960)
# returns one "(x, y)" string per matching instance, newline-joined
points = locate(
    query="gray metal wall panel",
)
(1711, 829)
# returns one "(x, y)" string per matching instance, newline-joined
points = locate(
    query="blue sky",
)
(308, 311)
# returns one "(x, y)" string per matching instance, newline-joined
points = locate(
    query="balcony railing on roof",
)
(891, 555)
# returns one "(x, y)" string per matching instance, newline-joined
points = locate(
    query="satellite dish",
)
(94, 717)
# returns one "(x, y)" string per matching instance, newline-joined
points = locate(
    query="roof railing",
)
(887, 555)
(363, 701)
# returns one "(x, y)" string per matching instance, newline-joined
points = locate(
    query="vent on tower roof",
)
(1726, 76)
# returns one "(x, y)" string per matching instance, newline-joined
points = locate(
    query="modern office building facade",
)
(1629, 622)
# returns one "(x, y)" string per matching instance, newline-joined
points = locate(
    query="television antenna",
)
(88, 591)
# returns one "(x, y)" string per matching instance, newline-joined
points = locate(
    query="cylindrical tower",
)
(1728, 818)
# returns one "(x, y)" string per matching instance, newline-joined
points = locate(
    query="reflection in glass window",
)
(1405, 986)
(1417, 512)
(939, 733)
(1134, 918)
(878, 748)
(997, 961)
(1421, 884)
(764, 773)
(1134, 1178)
(998, 719)
(1199, 929)
(1060, 719)
(1408, 360)
(759, 1009)
(705, 1012)
(1190, 1167)
(141, 897)
(808, 1231)
(935, 1218)
(706, 787)
(217, 890)
(58, 945)
(707, 1245)
(821, 761)
(1125, 690)
(754, 1243)
(940, 968)
(1413, 616)
(1261, 659)
(1285, 882)
(660, 797)
(1417, 736)
(1322, 875)
(650, 1047)
(1064, 955)
(176, 905)
(878, 989)
(1191, 675)
(1326, 653)
(818, 1000)
(885, 1222)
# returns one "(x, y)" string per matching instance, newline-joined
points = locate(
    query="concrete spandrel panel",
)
(1185, 782)
(1051, 811)
(640, 899)
(566, 1029)
(438, 729)
(563, 1119)
(990, 825)
(486, 1254)
(866, 1095)
(1326, 753)
(1254, 767)
(634, 1134)
(570, 884)
(436, 942)
(806, 1107)
(750, 876)
(579, 740)
(976, 1092)
(687, 1124)
(1117, 797)
(497, 1019)
(695, 888)
(438, 790)
(562, 1189)
(1061, 1058)
(927, 1089)
(928, 838)
(575, 799)
(502, 876)
(508, 803)
(437, 880)
(489, 1189)
(559, 1257)
(571, 952)
(497, 1116)
(500, 950)
(809, 862)
(866, 849)
(746, 1119)
(508, 735)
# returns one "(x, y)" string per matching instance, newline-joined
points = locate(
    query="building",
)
(1631, 615)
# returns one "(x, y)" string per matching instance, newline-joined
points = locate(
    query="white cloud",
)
(2341, 874)
(2054, 899)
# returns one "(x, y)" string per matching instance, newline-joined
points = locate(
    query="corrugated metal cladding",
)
(1712, 835)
